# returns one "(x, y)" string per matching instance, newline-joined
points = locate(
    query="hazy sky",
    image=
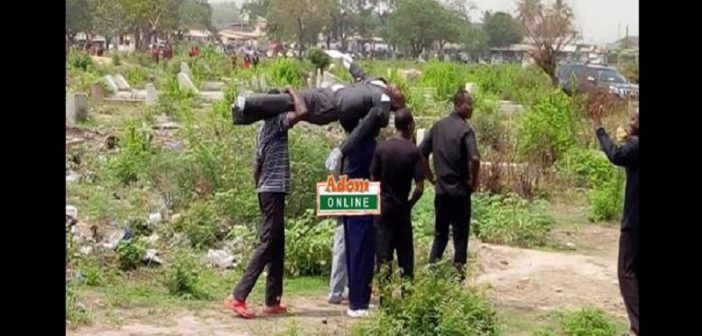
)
(598, 20)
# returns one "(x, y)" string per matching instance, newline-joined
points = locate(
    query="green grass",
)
(144, 289)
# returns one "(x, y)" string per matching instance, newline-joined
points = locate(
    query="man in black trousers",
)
(627, 156)
(272, 178)
(396, 163)
(457, 163)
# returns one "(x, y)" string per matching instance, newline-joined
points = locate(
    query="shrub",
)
(75, 314)
(588, 322)
(319, 58)
(546, 130)
(308, 245)
(92, 273)
(607, 199)
(136, 150)
(201, 225)
(436, 305)
(510, 219)
(592, 169)
(447, 78)
(136, 76)
(130, 253)
(182, 277)
(287, 71)
(116, 61)
(80, 60)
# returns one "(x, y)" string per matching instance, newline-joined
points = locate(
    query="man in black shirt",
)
(627, 156)
(396, 163)
(457, 163)
(362, 108)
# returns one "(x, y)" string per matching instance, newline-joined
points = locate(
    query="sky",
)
(599, 21)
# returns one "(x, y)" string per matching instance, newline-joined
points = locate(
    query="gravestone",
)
(184, 68)
(328, 80)
(151, 94)
(429, 93)
(263, 84)
(471, 87)
(110, 82)
(213, 86)
(254, 83)
(122, 84)
(76, 108)
(186, 84)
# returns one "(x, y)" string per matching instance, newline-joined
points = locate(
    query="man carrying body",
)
(457, 164)
(396, 163)
(272, 177)
(366, 103)
(627, 156)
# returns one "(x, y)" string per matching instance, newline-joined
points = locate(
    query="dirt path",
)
(517, 278)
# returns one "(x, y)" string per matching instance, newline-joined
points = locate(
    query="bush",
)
(592, 169)
(308, 245)
(588, 322)
(135, 153)
(75, 314)
(201, 225)
(447, 78)
(80, 60)
(318, 58)
(130, 253)
(436, 305)
(136, 76)
(510, 219)
(287, 71)
(92, 273)
(546, 130)
(607, 198)
(182, 277)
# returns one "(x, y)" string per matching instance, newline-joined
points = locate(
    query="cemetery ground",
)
(177, 176)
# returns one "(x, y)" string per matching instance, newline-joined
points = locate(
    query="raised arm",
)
(377, 118)
(300, 112)
(619, 155)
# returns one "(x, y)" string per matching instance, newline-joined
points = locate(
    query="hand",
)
(597, 116)
(333, 159)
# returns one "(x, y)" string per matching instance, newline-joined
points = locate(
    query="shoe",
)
(239, 308)
(357, 313)
(275, 309)
(335, 299)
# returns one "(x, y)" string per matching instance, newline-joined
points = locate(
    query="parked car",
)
(590, 76)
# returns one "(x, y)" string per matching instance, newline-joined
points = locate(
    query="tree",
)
(474, 38)
(302, 20)
(502, 30)
(147, 18)
(108, 19)
(548, 30)
(224, 13)
(78, 18)
(430, 22)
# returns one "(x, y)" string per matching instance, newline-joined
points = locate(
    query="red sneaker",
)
(275, 309)
(239, 308)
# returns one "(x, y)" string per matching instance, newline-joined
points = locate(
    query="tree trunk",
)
(137, 39)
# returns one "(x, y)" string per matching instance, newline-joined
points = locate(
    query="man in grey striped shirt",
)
(272, 177)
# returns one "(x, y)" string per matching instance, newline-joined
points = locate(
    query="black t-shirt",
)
(453, 144)
(396, 162)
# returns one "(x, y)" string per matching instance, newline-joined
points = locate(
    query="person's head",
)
(463, 104)
(404, 122)
(397, 98)
(634, 123)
